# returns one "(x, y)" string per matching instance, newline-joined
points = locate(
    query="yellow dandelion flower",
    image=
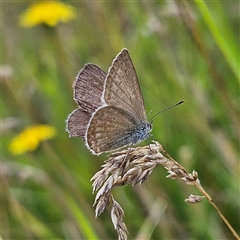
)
(29, 139)
(49, 13)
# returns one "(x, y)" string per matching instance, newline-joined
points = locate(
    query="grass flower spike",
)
(29, 139)
(48, 13)
(132, 167)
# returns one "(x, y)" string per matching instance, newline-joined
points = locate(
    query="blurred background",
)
(181, 50)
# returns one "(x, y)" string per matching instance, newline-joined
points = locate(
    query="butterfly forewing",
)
(122, 87)
(88, 87)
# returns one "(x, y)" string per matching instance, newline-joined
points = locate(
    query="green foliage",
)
(181, 50)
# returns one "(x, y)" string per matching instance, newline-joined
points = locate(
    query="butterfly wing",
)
(88, 88)
(77, 121)
(109, 129)
(122, 88)
(111, 107)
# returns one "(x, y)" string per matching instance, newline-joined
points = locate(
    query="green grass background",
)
(181, 50)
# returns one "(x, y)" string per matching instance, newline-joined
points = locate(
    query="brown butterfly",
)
(111, 111)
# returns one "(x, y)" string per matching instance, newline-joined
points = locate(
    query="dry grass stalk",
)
(133, 166)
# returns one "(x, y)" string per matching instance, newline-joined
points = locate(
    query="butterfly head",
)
(141, 132)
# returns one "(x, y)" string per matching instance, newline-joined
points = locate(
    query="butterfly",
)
(111, 112)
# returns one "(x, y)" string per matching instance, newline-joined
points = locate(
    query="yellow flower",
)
(29, 139)
(49, 13)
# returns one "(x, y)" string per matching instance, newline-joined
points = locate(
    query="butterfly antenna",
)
(167, 109)
(149, 114)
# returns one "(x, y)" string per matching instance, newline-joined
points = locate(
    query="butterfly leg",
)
(149, 139)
